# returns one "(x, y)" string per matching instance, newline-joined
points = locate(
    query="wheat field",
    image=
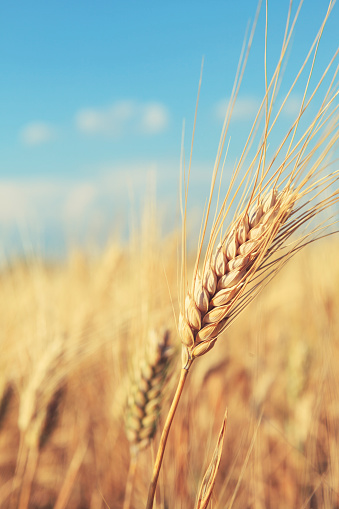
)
(94, 345)
(70, 334)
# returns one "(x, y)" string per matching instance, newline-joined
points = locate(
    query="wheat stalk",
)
(272, 205)
(208, 481)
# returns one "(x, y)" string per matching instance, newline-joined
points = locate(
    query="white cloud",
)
(71, 200)
(292, 106)
(244, 109)
(37, 133)
(153, 118)
(20, 198)
(123, 118)
(80, 197)
(47, 211)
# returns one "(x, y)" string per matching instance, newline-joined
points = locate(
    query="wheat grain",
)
(212, 299)
(146, 395)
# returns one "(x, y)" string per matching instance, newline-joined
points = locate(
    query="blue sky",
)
(93, 97)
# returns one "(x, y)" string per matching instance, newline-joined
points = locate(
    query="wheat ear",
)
(215, 293)
(146, 394)
(38, 398)
(145, 400)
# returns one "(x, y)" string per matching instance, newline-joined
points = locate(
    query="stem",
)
(28, 477)
(163, 438)
(130, 481)
(21, 463)
(73, 469)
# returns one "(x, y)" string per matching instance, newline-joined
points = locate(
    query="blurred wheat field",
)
(70, 334)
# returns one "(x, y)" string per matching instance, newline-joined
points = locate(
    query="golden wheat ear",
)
(147, 391)
(145, 400)
(40, 395)
(227, 274)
